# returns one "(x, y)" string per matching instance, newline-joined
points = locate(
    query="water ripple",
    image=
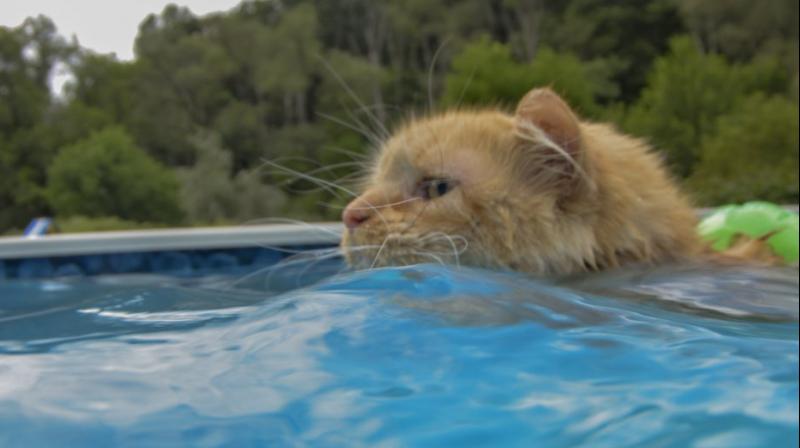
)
(417, 356)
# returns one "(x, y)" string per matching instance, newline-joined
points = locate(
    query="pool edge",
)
(270, 235)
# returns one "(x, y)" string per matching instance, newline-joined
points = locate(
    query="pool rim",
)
(175, 239)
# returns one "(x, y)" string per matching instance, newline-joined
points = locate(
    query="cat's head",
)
(479, 188)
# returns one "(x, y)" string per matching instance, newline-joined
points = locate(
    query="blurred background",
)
(188, 130)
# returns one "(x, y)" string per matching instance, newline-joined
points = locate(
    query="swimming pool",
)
(303, 352)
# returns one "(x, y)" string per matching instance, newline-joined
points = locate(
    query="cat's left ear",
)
(546, 111)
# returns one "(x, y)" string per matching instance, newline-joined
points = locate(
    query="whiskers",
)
(406, 249)
(304, 267)
(380, 132)
(301, 268)
(384, 242)
(378, 254)
(457, 243)
(331, 187)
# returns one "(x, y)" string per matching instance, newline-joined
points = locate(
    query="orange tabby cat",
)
(539, 191)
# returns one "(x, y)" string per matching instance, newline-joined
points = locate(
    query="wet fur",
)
(537, 191)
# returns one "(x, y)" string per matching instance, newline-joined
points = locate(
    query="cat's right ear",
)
(550, 142)
(545, 110)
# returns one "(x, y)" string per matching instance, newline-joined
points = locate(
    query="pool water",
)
(418, 356)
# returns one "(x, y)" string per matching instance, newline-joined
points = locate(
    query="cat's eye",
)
(434, 188)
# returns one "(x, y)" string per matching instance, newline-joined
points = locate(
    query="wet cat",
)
(539, 191)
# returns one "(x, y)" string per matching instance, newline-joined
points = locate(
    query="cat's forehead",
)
(450, 141)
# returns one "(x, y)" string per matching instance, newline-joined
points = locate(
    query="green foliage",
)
(486, 73)
(753, 154)
(211, 194)
(179, 85)
(104, 84)
(28, 55)
(742, 30)
(765, 74)
(571, 78)
(74, 224)
(624, 36)
(287, 52)
(240, 126)
(107, 175)
(23, 97)
(44, 48)
(686, 94)
(75, 121)
(314, 85)
(356, 73)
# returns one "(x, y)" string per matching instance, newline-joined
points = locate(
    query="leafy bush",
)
(210, 193)
(485, 73)
(75, 224)
(578, 82)
(106, 175)
(274, 98)
(686, 94)
(753, 154)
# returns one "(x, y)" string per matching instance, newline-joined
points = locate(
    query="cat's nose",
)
(356, 214)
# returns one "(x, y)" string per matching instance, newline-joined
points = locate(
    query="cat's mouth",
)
(365, 250)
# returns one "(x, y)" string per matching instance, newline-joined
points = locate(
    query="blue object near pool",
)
(230, 348)
(37, 227)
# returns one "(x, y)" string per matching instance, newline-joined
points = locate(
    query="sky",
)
(105, 26)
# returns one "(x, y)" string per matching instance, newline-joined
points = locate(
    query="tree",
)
(625, 36)
(103, 83)
(686, 93)
(210, 193)
(742, 29)
(180, 86)
(28, 55)
(580, 84)
(287, 61)
(253, 78)
(242, 132)
(752, 155)
(107, 175)
(45, 48)
(486, 73)
(346, 83)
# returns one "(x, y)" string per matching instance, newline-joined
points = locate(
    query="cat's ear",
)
(550, 150)
(545, 110)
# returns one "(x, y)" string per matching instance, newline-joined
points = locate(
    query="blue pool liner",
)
(172, 262)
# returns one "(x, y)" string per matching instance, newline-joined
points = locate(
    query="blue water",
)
(416, 356)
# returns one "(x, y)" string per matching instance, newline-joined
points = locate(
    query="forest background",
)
(223, 119)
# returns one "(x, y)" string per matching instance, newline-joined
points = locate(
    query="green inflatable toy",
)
(755, 220)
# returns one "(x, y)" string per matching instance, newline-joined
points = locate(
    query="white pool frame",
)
(271, 235)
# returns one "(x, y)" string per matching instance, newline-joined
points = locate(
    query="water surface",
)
(418, 356)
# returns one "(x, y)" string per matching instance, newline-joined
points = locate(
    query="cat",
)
(540, 191)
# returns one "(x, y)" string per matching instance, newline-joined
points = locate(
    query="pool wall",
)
(192, 251)
(187, 251)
